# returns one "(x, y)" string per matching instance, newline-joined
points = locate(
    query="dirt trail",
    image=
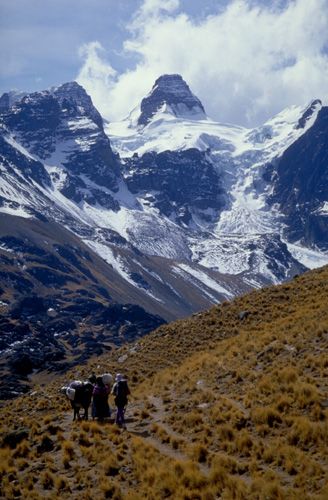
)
(143, 429)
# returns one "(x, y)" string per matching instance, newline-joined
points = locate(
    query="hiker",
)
(99, 405)
(120, 391)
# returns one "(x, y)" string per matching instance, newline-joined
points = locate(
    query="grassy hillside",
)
(231, 403)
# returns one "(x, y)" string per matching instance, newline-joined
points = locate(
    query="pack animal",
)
(79, 395)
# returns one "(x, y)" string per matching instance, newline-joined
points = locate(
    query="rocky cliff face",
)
(177, 183)
(300, 184)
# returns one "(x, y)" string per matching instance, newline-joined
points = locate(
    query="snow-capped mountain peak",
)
(309, 114)
(72, 95)
(172, 94)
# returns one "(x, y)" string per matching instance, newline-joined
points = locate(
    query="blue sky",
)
(245, 59)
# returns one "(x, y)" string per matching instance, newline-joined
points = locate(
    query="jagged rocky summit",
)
(172, 92)
(167, 210)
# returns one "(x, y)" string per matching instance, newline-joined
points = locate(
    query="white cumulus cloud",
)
(246, 62)
(96, 75)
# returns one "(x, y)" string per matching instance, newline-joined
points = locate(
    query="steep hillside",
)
(230, 403)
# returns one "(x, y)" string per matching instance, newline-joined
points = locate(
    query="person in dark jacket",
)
(120, 391)
(100, 406)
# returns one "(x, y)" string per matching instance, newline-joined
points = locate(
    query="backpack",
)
(122, 389)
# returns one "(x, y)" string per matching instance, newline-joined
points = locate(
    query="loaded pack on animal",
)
(79, 394)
